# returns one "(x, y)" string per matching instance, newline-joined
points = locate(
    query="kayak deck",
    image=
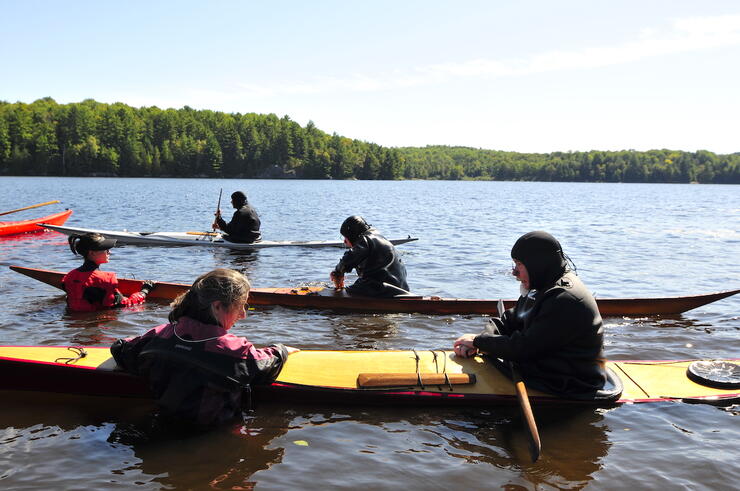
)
(199, 239)
(25, 226)
(319, 297)
(323, 376)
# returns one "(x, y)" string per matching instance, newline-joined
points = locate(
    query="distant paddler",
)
(379, 267)
(244, 227)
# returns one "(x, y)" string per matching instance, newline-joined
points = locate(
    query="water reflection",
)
(242, 261)
(376, 443)
(90, 327)
(363, 332)
(574, 441)
(381, 448)
(221, 458)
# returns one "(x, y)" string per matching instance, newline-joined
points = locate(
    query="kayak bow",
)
(23, 226)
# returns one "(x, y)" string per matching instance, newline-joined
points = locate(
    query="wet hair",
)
(239, 198)
(353, 227)
(224, 285)
(92, 241)
(543, 256)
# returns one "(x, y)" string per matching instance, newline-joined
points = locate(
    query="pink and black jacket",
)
(198, 372)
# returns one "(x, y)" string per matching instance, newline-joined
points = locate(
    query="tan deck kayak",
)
(375, 377)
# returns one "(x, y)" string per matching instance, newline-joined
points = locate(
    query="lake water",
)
(628, 240)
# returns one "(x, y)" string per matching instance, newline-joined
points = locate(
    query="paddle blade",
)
(535, 446)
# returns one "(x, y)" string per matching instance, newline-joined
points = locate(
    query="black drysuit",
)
(378, 266)
(555, 338)
(244, 226)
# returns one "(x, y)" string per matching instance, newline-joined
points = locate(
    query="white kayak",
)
(208, 239)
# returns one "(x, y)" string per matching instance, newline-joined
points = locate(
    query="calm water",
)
(628, 240)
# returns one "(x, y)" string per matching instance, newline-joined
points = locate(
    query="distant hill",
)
(92, 138)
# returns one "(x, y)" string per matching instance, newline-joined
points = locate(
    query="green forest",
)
(90, 138)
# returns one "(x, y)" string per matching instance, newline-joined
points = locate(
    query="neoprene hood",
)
(543, 257)
(353, 227)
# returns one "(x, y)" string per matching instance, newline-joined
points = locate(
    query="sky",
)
(524, 76)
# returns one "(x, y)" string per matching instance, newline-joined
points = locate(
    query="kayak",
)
(208, 239)
(368, 377)
(23, 226)
(319, 297)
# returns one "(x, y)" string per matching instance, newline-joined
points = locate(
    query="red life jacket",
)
(76, 282)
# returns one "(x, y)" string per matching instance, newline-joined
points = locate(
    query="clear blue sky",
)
(535, 76)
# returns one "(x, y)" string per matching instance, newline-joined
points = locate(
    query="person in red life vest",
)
(198, 372)
(90, 289)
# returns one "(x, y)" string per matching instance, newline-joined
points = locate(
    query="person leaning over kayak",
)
(197, 370)
(90, 289)
(554, 333)
(244, 227)
(379, 267)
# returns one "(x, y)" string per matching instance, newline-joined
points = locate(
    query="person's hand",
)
(292, 350)
(137, 298)
(464, 347)
(147, 286)
(337, 279)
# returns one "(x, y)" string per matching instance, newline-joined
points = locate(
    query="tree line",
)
(90, 138)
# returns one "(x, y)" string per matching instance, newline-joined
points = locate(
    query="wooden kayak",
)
(318, 297)
(24, 226)
(206, 239)
(365, 377)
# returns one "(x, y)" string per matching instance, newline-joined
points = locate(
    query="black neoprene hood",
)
(82, 244)
(239, 198)
(543, 257)
(353, 227)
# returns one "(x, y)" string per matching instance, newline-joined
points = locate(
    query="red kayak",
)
(24, 226)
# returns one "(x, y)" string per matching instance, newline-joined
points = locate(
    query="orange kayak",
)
(24, 226)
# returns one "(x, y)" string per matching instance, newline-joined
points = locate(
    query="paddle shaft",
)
(535, 446)
(218, 206)
(29, 207)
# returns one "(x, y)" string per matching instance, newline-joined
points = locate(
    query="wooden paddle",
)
(535, 446)
(210, 234)
(218, 211)
(29, 207)
(218, 207)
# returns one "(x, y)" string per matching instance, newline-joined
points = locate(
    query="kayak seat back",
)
(611, 392)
